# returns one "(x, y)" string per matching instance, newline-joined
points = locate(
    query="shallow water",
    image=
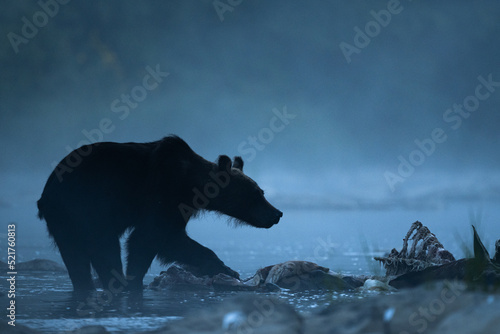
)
(45, 302)
(342, 241)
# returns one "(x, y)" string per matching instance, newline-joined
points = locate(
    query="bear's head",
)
(239, 196)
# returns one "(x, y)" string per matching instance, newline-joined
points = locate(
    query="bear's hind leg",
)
(106, 260)
(77, 262)
(72, 244)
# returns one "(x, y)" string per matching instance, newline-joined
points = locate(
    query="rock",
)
(291, 275)
(176, 275)
(465, 320)
(36, 265)
(297, 276)
(40, 265)
(243, 314)
(233, 320)
(376, 285)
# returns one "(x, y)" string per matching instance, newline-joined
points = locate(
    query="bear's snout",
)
(278, 215)
(274, 218)
(264, 216)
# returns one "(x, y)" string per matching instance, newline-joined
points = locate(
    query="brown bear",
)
(100, 191)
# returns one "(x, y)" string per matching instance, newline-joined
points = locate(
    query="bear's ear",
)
(238, 163)
(223, 162)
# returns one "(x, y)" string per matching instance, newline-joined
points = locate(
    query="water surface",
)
(344, 241)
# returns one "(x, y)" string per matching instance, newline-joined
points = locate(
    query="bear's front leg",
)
(142, 249)
(199, 259)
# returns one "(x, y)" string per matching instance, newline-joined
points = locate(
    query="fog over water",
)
(344, 115)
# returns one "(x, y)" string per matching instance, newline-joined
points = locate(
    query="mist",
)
(325, 117)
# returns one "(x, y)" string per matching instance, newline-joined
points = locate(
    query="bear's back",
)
(117, 177)
(95, 174)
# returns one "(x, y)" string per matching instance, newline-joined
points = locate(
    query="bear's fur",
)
(152, 189)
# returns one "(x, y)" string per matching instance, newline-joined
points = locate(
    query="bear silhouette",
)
(100, 191)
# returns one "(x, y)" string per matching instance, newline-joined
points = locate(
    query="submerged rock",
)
(292, 275)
